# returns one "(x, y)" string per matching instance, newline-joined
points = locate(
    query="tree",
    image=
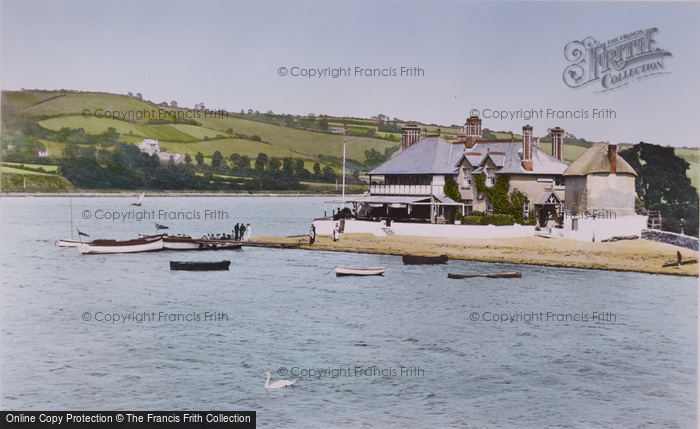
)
(217, 159)
(328, 173)
(288, 166)
(173, 103)
(199, 158)
(188, 159)
(317, 169)
(663, 185)
(261, 162)
(139, 96)
(274, 165)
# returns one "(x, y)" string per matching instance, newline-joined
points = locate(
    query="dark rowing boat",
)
(423, 260)
(508, 275)
(199, 266)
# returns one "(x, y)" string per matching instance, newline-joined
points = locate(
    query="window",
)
(468, 207)
(490, 176)
(466, 177)
(526, 210)
(574, 224)
(489, 208)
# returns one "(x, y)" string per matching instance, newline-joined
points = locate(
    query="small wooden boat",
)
(422, 260)
(199, 266)
(507, 275)
(113, 246)
(175, 242)
(64, 242)
(357, 271)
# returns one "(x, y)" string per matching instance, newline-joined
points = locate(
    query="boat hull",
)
(199, 266)
(177, 243)
(71, 243)
(172, 242)
(128, 246)
(423, 260)
(508, 275)
(356, 271)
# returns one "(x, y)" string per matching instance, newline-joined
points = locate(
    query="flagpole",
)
(71, 219)
(344, 141)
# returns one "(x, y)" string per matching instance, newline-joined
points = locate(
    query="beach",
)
(642, 256)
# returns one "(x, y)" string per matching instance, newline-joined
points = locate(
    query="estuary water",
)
(556, 348)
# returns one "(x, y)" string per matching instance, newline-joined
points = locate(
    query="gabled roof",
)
(432, 155)
(508, 157)
(595, 160)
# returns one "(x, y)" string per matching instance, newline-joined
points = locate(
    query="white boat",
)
(128, 246)
(64, 242)
(357, 271)
(174, 242)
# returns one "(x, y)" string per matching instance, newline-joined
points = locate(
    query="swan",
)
(277, 384)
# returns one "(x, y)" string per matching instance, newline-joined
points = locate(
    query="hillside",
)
(52, 121)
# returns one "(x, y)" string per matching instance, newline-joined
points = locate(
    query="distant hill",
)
(47, 122)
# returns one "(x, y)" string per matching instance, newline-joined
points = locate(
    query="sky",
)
(504, 61)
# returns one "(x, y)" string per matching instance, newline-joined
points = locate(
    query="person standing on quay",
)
(236, 232)
(248, 231)
(312, 234)
(241, 232)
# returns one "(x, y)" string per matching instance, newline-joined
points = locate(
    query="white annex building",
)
(152, 147)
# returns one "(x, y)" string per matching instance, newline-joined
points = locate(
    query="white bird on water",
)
(277, 384)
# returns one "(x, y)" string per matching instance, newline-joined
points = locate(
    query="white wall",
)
(326, 227)
(590, 229)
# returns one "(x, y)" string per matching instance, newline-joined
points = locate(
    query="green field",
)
(48, 168)
(54, 110)
(12, 170)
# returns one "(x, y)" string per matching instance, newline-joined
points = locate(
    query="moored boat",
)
(199, 265)
(175, 242)
(64, 242)
(359, 271)
(419, 260)
(507, 275)
(127, 246)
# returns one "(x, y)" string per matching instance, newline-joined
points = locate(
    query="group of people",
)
(241, 232)
(312, 233)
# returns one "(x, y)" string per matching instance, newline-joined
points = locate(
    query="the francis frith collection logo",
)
(615, 63)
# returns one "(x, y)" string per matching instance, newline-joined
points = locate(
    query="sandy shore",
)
(630, 255)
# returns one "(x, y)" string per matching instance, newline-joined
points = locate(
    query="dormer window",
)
(490, 176)
(466, 177)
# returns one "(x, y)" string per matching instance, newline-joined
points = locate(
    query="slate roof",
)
(432, 155)
(508, 156)
(595, 160)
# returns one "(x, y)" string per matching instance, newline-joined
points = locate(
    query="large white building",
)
(152, 147)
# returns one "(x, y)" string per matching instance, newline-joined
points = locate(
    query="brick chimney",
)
(410, 134)
(471, 132)
(527, 147)
(612, 157)
(558, 143)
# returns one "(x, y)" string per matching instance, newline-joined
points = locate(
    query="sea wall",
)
(325, 227)
(671, 238)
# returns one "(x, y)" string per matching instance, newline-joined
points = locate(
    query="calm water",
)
(634, 366)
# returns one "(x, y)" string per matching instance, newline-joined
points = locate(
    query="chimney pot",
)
(612, 158)
(527, 147)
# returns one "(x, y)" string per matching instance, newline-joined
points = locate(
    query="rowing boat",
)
(508, 275)
(423, 260)
(359, 271)
(199, 265)
(129, 246)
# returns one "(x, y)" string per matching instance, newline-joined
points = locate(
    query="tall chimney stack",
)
(471, 131)
(410, 134)
(612, 157)
(527, 147)
(558, 143)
